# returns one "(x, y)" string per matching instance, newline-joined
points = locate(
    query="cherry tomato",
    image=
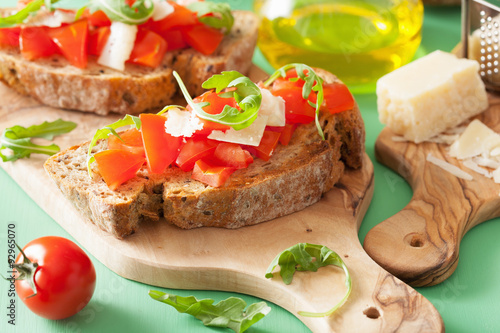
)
(161, 148)
(149, 49)
(117, 166)
(210, 174)
(64, 277)
(72, 42)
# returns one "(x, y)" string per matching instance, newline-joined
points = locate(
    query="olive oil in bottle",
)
(357, 40)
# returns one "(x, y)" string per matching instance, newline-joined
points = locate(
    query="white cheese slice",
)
(273, 107)
(429, 95)
(161, 10)
(477, 139)
(119, 46)
(250, 135)
(182, 123)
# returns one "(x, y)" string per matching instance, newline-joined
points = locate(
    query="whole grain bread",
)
(102, 90)
(295, 177)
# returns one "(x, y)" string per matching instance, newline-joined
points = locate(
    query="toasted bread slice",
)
(102, 90)
(295, 177)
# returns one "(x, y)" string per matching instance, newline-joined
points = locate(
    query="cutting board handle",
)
(421, 243)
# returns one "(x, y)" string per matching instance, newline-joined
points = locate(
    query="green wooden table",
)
(467, 301)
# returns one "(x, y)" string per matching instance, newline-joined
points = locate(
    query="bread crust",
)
(102, 90)
(295, 177)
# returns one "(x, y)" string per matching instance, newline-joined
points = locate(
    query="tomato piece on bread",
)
(72, 42)
(149, 49)
(210, 174)
(193, 150)
(131, 141)
(161, 148)
(36, 43)
(232, 155)
(116, 166)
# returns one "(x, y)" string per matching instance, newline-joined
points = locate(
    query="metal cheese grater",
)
(481, 39)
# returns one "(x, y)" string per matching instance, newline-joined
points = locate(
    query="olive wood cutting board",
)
(236, 260)
(421, 243)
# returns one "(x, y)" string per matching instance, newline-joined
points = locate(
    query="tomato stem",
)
(27, 271)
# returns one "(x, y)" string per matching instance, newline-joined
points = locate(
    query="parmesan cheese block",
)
(430, 95)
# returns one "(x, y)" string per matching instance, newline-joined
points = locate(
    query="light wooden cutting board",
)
(421, 243)
(236, 260)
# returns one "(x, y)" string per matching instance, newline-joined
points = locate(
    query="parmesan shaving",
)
(474, 167)
(486, 162)
(456, 171)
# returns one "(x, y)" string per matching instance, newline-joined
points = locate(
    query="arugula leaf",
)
(229, 313)
(104, 132)
(23, 14)
(247, 95)
(119, 10)
(221, 18)
(18, 139)
(300, 258)
(312, 83)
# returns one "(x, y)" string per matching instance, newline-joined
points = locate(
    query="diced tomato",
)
(97, 18)
(35, 43)
(337, 97)
(149, 49)
(193, 150)
(10, 36)
(232, 155)
(181, 17)
(72, 42)
(175, 40)
(117, 166)
(97, 40)
(216, 106)
(267, 145)
(287, 134)
(161, 148)
(131, 141)
(297, 109)
(209, 174)
(203, 38)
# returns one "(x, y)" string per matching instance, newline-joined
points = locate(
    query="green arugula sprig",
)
(119, 10)
(247, 95)
(300, 258)
(222, 17)
(104, 132)
(312, 83)
(229, 313)
(23, 14)
(18, 139)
